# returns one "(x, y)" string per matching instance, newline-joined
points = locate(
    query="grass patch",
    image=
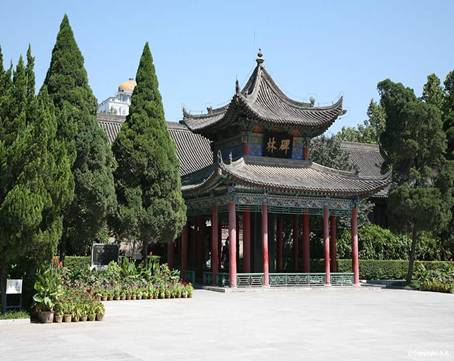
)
(13, 315)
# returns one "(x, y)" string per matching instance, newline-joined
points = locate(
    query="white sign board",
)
(13, 287)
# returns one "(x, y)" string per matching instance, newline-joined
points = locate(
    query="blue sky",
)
(311, 48)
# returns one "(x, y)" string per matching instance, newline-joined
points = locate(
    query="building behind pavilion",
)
(247, 166)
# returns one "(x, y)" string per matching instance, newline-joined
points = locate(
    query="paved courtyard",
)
(310, 324)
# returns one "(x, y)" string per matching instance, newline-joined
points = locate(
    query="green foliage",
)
(327, 151)
(376, 243)
(77, 263)
(14, 315)
(147, 181)
(48, 289)
(440, 279)
(35, 177)
(381, 269)
(90, 154)
(370, 130)
(414, 144)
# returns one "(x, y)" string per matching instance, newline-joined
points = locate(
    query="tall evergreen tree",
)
(432, 91)
(147, 181)
(414, 144)
(92, 160)
(370, 130)
(35, 175)
(448, 114)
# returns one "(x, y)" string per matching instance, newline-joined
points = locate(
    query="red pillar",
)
(279, 244)
(266, 272)
(333, 244)
(170, 253)
(214, 243)
(326, 243)
(232, 244)
(200, 236)
(184, 250)
(355, 258)
(306, 151)
(246, 241)
(296, 248)
(306, 245)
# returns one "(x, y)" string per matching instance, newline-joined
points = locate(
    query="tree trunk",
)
(411, 260)
(3, 276)
(145, 251)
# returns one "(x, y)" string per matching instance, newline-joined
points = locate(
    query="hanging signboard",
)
(278, 145)
(103, 254)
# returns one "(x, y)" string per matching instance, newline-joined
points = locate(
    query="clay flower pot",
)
(45, 316)
(99, 317)
(58, 318)
(67, 318)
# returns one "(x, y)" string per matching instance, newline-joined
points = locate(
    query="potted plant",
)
(48, 290)
(117, 295)
(189, 290)
(104, 295)
(110, 295)
(58, 312)
(76, 313)
(91, 310)
(99, 310)
(67, 311)
(83, 312)
(123, 294)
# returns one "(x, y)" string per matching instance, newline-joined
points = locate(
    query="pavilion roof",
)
(196, 158)
(264, 102)
(287, 175)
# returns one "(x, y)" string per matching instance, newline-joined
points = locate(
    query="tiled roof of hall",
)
(263, 101)
(287, 175)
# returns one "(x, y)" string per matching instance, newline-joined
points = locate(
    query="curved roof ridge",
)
(347, 143)
(277, 90)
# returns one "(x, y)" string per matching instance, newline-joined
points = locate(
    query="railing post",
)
(326, 244)
(265, 245)
(232, 244)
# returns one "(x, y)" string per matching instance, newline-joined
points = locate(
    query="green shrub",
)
(371, 269)
(77, 263)
(377, 243)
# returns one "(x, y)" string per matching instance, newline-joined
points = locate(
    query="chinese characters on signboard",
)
(277, 145)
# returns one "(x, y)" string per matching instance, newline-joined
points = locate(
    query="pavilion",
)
(247, 166)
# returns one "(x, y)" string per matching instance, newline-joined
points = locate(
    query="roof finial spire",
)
(259, 59)
(237, 87)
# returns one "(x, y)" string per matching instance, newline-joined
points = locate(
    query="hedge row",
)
(368, 269)
(77, 262)
(378, 269)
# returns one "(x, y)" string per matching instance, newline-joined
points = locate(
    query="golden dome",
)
(127, 86)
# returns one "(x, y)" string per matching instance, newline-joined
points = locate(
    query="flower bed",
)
(74, 294)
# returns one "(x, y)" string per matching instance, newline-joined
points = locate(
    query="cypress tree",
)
(147, 181)
(414, 144)
(35, 174)
(85, 219)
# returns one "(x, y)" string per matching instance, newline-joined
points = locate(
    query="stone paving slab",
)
(316, 324)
